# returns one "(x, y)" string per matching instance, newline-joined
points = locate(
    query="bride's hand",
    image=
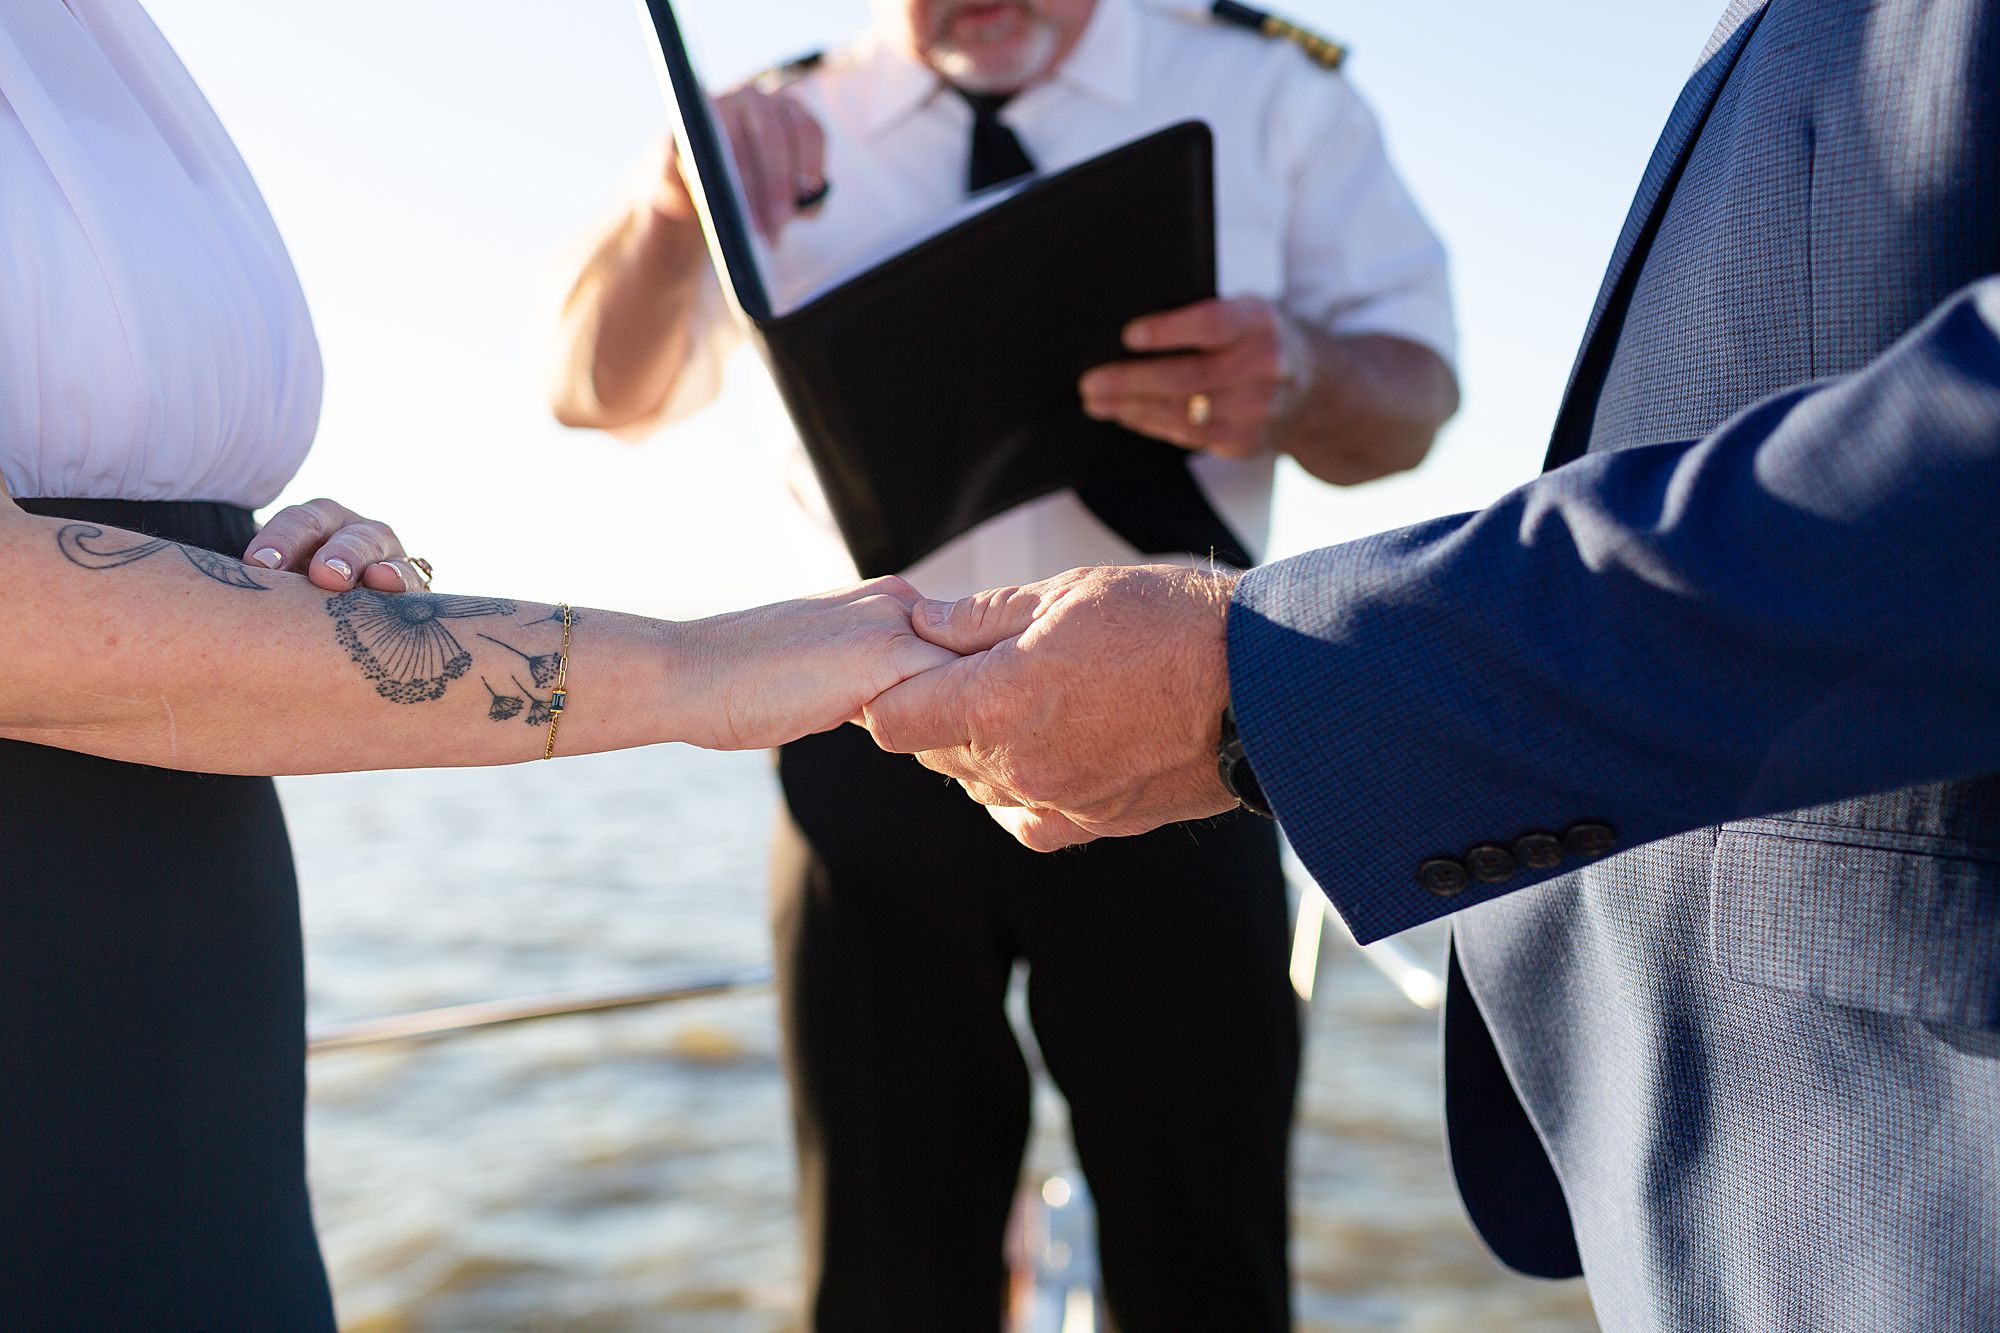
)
(775, 673)
(334, 547)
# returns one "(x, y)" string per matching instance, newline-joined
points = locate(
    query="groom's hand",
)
(1090, 705)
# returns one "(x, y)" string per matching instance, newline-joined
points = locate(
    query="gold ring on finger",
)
(423, 568)
(809, 192)
(1199, 409)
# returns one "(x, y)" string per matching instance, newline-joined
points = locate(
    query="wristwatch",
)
(1232, 762)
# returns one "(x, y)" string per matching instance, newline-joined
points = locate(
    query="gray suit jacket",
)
(1737, 655)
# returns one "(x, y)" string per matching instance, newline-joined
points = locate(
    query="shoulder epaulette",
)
(791, 71)
(1322, 51)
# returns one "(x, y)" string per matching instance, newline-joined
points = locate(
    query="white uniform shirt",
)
(154, 343)
(1309, 214)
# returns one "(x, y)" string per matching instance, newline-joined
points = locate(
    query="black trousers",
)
(152, 1035)
(1158, 994)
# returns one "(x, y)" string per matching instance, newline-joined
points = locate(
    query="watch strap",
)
(1232, 763)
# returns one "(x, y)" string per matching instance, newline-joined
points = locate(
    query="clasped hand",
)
(1087, 705)
(1084, 706)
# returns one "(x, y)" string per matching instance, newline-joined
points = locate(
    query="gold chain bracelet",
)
(559, 697)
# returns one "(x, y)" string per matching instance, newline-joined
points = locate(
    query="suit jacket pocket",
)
(1899, 924)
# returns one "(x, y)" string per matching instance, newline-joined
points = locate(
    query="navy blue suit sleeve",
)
(1800, 608)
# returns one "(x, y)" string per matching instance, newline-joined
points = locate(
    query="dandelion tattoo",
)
(539, 710)
(542, 667)
(74, 541)
(403, 641)
(505, 707)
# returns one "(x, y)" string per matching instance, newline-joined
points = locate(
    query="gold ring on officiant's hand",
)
(423, 568)
(1199, 409)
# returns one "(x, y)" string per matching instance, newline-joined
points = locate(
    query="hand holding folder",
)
(938, 388)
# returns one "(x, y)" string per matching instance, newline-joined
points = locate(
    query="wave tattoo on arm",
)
(74, 541)
(403, 641)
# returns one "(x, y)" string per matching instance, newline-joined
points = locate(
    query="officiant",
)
(1156, 966)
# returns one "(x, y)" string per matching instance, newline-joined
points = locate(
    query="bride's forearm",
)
(121, 646)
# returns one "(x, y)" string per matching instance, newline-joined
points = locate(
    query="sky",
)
(435, 166)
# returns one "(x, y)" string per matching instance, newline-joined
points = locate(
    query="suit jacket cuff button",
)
(1589, 840)
(1538, 851)
(1443, 876)
(1490, 863)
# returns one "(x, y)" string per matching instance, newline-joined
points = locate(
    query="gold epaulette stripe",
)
(1322, 51)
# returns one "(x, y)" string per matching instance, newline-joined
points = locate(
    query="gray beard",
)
(961, 66)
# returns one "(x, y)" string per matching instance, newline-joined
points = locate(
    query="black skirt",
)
(152, 1021)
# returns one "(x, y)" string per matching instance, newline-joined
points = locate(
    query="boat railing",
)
(1415, 980)
(454, 1019)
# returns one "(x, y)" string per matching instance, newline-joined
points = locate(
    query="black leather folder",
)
(939, 388)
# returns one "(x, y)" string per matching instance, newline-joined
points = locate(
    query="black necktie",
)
(997, 155)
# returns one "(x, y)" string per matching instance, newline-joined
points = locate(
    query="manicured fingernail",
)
(937, 613)
(1138, 335)
(341, 567)
(270, 557)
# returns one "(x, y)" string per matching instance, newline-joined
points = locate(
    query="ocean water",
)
(632, 1171)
